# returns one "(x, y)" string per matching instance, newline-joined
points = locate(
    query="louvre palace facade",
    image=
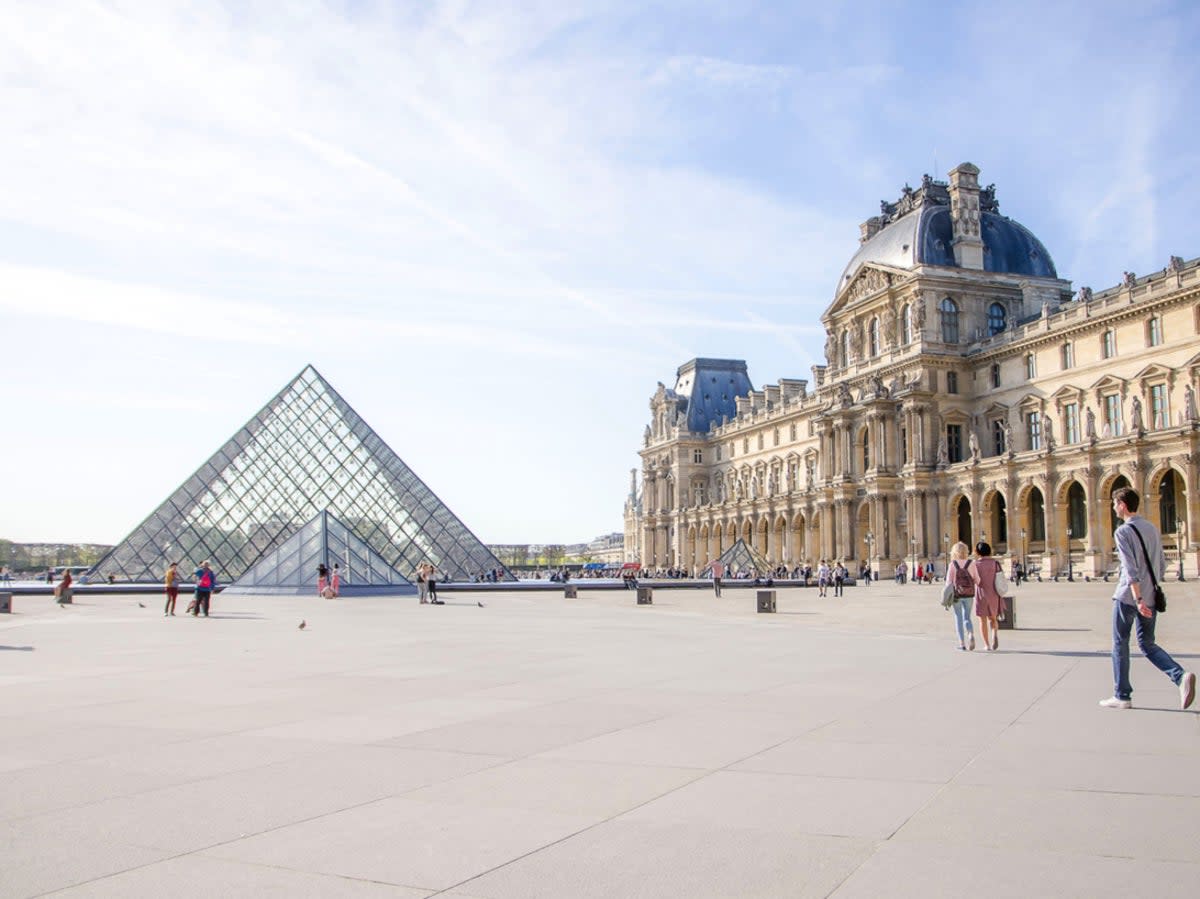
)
(968, 393)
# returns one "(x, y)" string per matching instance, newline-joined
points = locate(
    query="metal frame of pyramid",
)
(739, 557)
(291, 568)
(305, 452)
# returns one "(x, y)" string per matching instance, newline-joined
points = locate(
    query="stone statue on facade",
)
(1135, 416)
(1084, 295)
(1006, 433)
(918, 314)
(1048, 432)
(856, 340)
(830, 348)
(844, 396)
(1089, 428)
(809, 474)
(1175, 264)
(943, 453)
(1189, 403)
(646, 436)
(973, 443)
(1129, 279)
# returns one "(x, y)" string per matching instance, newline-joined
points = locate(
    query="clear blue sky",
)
(495, 230)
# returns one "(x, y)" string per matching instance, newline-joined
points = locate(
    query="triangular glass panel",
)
(290, 568)
(741, 558)
(306, 452)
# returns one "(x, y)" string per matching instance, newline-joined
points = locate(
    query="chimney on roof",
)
(870, 228)
(964, 213)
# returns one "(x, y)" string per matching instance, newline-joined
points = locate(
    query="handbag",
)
(1001, 583)
(949, 597)
(1160, 598)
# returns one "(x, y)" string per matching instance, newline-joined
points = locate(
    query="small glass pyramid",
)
(291, 567)
(740, 557)
(306, 452)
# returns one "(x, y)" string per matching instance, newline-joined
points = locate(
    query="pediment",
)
(1153, 370)
(1109, 381)
(867, 279)
(1067, 392)
(996, 410)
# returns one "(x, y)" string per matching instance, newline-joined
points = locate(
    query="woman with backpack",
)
(988, 601)
(958, 573)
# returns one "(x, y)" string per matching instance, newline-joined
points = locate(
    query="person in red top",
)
(206, 582)
(718, 572)
(62, 590)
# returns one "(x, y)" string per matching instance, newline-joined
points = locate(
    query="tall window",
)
(745, 445)
(792, 431)
(1037, 515)
(1112, 415)
(873, 337)
(995, 374)
(697, 456)
(951, 382)
(954, 447)
(949, 310)
(997, 318)
(1033, 425)
(777, 436)
(718, 452)
(1168, 503)
(1077, 511)
(760, 440)
(906, 324)
(866, 443)
(1154, 334)
(1108, 344)
(1071, 423)
(1030, 366)
(903, 445)
(1160, 416)
(1068, 355)
(998, 442)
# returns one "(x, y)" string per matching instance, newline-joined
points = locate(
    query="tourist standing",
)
(206, 581)
(322, 578)
(718, 572)
(62, 590)
(958, 577)
(988, 601)
(1139, 547)
(431, 578)
(839, 578)
(171, 585)
(422, 584)
(824, 575)
(335, 581)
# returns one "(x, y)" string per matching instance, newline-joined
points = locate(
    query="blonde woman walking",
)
(958, 576)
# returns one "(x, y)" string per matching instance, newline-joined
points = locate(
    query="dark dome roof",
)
(924, 236)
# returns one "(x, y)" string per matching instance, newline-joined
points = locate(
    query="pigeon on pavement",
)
(303, 624)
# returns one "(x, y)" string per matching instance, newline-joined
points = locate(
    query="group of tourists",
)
(205, 583)
(978, 586)
(329, 583)
(426, 576)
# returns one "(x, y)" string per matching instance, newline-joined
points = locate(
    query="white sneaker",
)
(1113, 703)
(1187, 689)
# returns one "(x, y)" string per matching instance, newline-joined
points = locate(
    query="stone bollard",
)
(1009, 621)
(570, 592)
(766, 600)
(645, 596)
(5, 603)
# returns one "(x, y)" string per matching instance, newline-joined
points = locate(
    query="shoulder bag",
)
(1160, 598)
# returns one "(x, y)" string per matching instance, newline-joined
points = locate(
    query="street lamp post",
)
(1024, 556)
(869, 539)
(912, 574)
(1180, 531)
(1070, 561)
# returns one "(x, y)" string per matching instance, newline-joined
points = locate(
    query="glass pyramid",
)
(304, 453)
(740, 557)
(291, 567)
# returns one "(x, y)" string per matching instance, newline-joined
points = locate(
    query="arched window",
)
(906, 324)
(997, 318)
(1168, 503)
(949, 310)
(866, 447)
(1076, 511)
(845, 348)
(1037, 515)
(1120, 482)
(873, 337)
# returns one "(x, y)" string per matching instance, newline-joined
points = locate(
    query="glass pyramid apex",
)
(740, 557)
(305, 452)
(291, 567)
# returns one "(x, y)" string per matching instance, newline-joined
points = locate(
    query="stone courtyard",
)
(544, 747)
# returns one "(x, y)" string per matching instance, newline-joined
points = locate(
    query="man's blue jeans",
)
(1124, 619)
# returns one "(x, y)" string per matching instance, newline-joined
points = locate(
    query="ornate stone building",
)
(969, 393)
